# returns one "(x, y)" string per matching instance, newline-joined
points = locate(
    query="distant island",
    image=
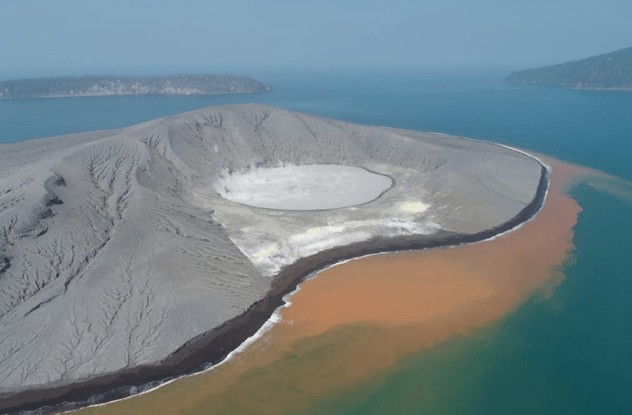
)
(611, 71)
(88, 86)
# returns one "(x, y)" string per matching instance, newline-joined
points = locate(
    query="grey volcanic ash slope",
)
(118, 247)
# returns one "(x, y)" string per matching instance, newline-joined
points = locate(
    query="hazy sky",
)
(40, 37)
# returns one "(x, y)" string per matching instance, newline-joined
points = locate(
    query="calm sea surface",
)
(570, 352)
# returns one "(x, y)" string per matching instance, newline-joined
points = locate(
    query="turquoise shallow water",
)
(567, 353)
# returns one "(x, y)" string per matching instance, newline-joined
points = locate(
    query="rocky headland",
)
(610, 71)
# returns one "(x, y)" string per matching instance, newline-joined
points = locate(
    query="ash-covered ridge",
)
(116, 247)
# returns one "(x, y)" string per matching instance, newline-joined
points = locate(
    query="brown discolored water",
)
(356, 320)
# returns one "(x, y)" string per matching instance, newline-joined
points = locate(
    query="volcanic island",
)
(133, 256)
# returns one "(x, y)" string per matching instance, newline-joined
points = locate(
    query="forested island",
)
(84, 86)
(610, 71)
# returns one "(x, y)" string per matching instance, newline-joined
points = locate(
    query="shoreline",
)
(214, 346)
(574, 87)
(216, 94)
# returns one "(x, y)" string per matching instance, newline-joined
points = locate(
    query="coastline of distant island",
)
(609, 72)
(95, 85)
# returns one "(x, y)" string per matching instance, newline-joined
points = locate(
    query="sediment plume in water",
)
(357, 319)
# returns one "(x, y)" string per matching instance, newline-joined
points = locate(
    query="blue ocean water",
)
(587, 127)
(568, 353)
